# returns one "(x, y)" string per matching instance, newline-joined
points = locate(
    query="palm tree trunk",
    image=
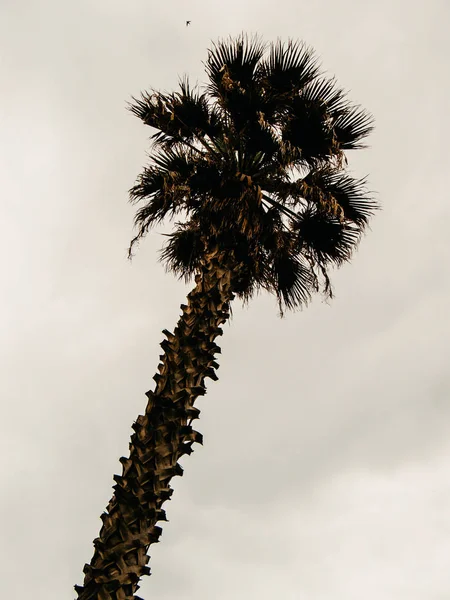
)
(161, 437)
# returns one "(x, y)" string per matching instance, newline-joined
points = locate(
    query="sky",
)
(325, 469)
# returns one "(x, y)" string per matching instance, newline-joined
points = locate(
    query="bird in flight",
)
(188, 23)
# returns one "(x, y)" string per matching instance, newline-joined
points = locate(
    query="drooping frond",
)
(292, 280)
(337, 189)
(164, 185)
(168, 175)
(184, 250)
(325, 238)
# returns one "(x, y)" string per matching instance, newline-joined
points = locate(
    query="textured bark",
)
(161, 437)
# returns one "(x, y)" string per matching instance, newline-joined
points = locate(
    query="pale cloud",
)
(326, 459)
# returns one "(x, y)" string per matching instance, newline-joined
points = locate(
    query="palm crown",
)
(255, 164)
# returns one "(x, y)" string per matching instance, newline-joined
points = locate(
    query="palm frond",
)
(352, 125)
(258, 138)
(154, 110)
(181, 117)
(178, 160)
(165, 187)
(169, 174)
(325, 238)
(293, 280)
(205, 180)
(325, 92)
(184, 250)
(158, 207)
(147, 107)
(232, 63)
(150, 182)
(288, 68)
(339, 189)
(307, 127)
(192, 110)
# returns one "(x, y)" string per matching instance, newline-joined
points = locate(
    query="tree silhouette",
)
(254, 168)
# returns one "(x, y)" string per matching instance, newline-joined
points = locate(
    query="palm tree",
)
(254, 168)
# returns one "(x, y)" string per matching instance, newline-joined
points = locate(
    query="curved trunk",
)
(161, 437)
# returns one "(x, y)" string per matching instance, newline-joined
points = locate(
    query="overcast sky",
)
(325, 470)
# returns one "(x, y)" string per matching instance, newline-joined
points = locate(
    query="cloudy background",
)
(325, 471)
